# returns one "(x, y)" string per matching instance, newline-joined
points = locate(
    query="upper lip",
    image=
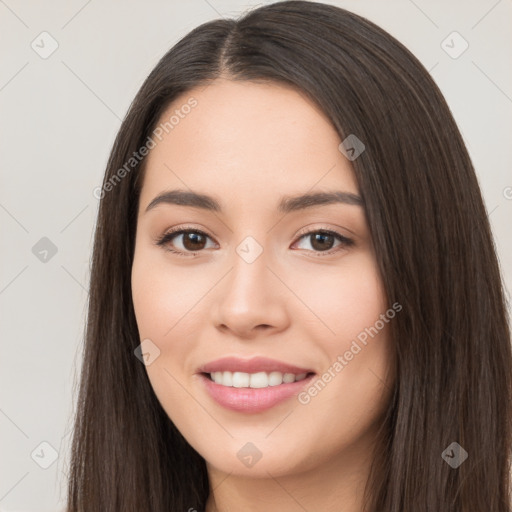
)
(253, 365)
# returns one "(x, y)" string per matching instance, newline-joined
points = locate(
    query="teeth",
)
(254, 380)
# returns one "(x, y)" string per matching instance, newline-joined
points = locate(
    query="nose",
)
(251, 299)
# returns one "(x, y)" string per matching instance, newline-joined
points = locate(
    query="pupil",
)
(321, 237)
(192, 238)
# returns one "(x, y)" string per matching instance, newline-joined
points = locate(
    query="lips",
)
(252, 385)
(254, 365)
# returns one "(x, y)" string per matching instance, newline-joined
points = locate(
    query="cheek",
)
(169, 310)
(162, 295)
(163, 298)
(354, 338)
(345, 300)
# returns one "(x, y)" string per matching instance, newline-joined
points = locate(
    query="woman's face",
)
(279, 286)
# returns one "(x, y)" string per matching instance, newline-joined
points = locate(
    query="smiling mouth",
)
(255, 380)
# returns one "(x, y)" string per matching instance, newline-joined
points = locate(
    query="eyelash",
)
(169, 235)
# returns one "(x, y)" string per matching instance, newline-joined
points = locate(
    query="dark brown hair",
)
(434, 250)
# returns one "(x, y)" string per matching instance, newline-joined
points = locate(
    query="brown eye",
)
(322, 242)
(192, 240)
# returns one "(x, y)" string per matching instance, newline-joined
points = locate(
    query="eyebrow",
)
(286, 205)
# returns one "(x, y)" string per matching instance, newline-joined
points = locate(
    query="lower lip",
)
(252, 400)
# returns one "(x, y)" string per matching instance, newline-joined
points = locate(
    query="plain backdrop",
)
(59, 115)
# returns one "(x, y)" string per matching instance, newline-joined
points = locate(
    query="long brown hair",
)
(434, 250)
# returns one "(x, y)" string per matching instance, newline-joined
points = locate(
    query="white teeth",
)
(240, 380)
(227, 378)
(254, 380)
(258, 380)
(288, 377)
(275, 378)
(216, 377)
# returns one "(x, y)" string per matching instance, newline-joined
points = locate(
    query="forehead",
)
(240, 139)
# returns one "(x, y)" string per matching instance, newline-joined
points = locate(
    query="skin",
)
(248, 144)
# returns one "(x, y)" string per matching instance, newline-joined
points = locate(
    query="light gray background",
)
(58, 120)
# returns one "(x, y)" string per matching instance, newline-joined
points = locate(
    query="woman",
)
(295, 301)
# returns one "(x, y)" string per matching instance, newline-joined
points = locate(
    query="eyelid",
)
(313, 228)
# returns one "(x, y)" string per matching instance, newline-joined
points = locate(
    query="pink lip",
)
(252, 400)
(254, 365)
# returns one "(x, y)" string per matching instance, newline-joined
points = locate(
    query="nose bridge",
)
(248, 297)
(248, 281)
